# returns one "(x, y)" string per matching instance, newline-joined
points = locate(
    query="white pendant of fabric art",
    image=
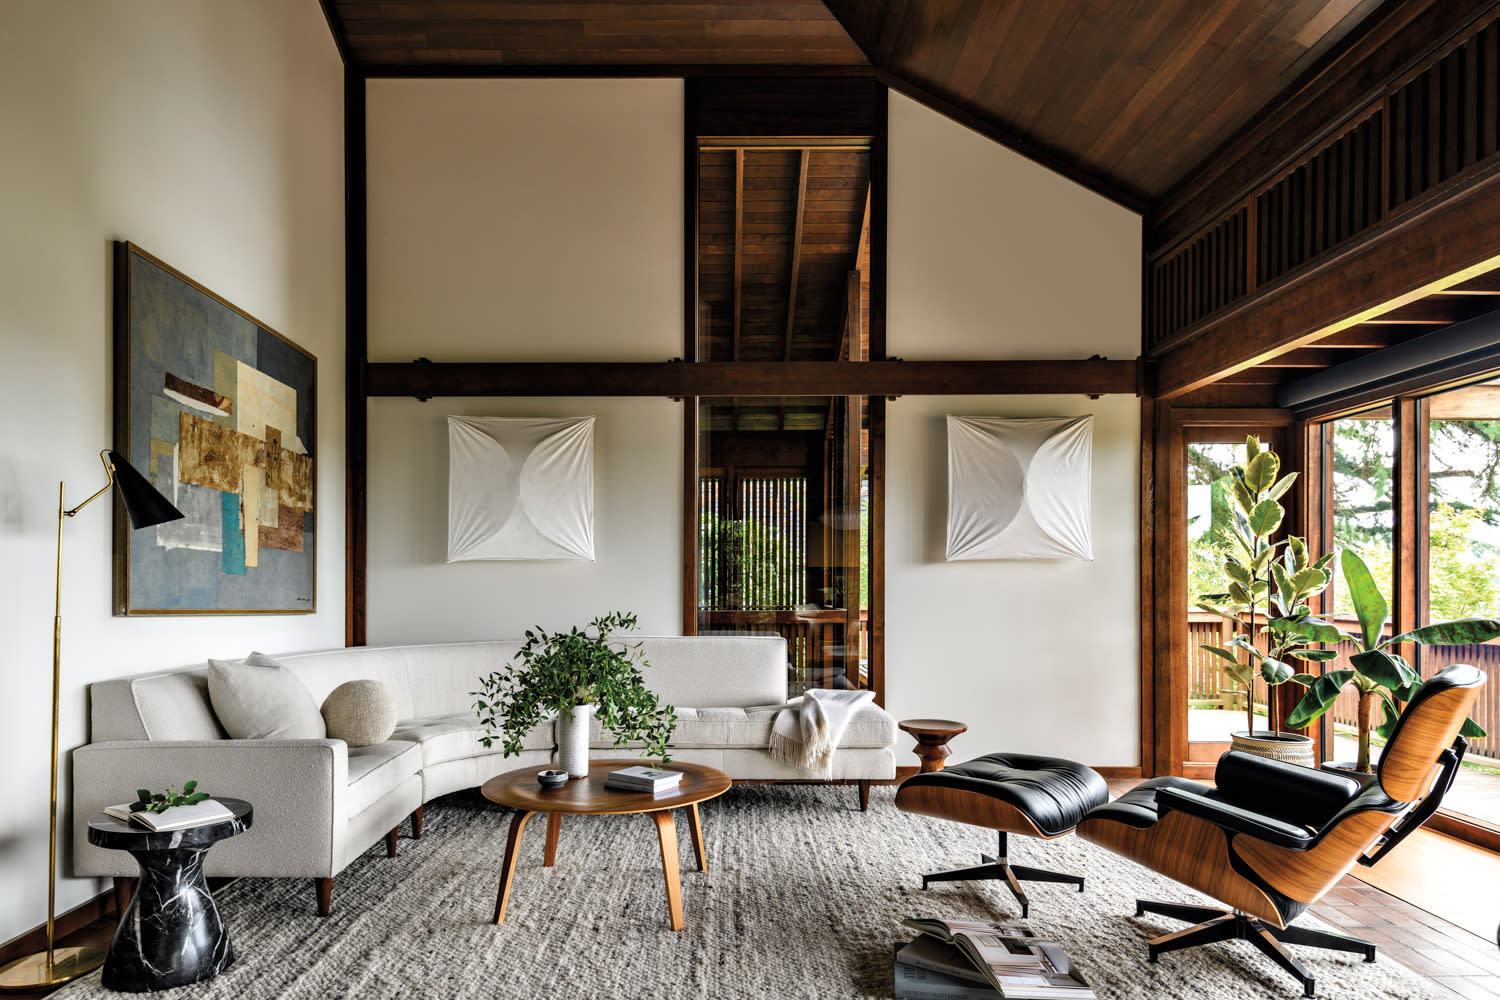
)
(520, 488)
(1019, 488)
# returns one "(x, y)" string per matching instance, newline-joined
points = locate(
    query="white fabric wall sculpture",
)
(520, 488)
(1019, 488)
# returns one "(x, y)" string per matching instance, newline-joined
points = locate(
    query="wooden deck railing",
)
(1206, 679)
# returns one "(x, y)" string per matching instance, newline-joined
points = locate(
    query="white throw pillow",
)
(361, 713)
(259, 699)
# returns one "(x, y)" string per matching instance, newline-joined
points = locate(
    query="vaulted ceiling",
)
(1125, 97)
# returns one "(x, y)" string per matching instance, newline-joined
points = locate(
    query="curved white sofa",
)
(320, 803)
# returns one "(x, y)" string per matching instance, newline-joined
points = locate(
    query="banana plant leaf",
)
(1316, 655)
(1321, 694)
(1369, 605)
(1386, 669)
(1462, 632)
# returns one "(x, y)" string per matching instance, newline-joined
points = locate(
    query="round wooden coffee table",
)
(932, 740)
(588, 797)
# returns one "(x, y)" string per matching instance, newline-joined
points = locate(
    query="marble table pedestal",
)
(171, 933)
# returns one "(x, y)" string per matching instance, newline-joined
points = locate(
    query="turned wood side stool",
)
(1012, 793)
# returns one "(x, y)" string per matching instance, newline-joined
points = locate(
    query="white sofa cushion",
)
(750, 728)
(453, 737)
(259, 699)
(376, 770)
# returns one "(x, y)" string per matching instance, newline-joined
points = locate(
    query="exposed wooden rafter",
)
(791, 285)
(739, 245)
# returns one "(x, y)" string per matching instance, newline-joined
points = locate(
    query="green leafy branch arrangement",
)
(559, 670)
(162, 801)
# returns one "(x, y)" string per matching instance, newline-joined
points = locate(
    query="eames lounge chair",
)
(1270, 838)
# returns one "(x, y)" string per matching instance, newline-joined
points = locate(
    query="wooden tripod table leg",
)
(508, 866)
(554, 824)
(696, 829)
(666, 833)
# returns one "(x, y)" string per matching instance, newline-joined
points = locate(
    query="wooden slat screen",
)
(1437, 122)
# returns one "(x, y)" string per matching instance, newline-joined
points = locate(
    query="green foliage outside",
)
(1464, 568)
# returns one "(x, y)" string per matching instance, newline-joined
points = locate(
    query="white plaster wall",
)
(991, 256)
(414, 595)
(525, 220)
(210, 134)
(1034, 656)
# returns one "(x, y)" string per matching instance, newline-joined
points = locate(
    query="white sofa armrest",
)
(296, 787)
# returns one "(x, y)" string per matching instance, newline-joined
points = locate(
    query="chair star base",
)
(1212, 924)
(1000, 869)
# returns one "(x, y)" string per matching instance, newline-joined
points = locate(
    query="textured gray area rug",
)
(804, 898)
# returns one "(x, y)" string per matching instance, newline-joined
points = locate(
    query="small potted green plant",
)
(570, 676)
(1380, 675)
(1258, 583)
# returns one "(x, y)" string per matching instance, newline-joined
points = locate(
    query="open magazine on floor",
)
(1009, 957)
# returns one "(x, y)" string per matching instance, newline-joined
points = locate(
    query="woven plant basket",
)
(1290, 747)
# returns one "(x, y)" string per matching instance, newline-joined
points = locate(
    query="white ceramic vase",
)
(573, 741)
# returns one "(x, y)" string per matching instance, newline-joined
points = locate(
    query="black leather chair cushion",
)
(1297, 795)
(1053, 792)
(1138, 807)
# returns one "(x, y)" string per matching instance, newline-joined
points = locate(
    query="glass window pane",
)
(1364, 460)
(1463, 567)
(1216, 705)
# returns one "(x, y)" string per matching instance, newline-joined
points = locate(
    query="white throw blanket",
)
(806, 735)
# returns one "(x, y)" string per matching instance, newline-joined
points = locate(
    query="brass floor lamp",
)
(146, 507)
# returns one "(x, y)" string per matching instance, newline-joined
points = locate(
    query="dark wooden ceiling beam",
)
(739, 245)
(801, 211)
(425, 379)
(1437, 241)
(1308, 357)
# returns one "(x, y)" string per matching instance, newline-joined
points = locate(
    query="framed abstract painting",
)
(220, 412)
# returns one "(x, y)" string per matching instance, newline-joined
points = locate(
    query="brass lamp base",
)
(33, 973)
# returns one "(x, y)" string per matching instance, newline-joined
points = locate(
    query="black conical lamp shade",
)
(143, 502)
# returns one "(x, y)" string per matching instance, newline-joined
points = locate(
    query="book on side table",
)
(643, 779)
(967, 960)
(173, 817)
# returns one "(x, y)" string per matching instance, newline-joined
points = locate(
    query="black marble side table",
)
(171, 933)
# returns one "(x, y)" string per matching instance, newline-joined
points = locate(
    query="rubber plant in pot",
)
(1264, 576)
(571, 676)
(1382, 676)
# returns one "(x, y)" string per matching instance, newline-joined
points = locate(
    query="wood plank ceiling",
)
(1127, 97)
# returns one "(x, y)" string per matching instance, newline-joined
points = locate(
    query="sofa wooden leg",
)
(124, 893)
(325, 896)
(416, 823)
(864, 795)
(390, 841)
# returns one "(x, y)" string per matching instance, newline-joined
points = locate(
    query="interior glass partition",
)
(783, 531)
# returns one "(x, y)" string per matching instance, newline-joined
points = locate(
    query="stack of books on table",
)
(653, 780)
(968, 960)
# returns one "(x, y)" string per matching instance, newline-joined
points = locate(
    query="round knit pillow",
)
(361, 713)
